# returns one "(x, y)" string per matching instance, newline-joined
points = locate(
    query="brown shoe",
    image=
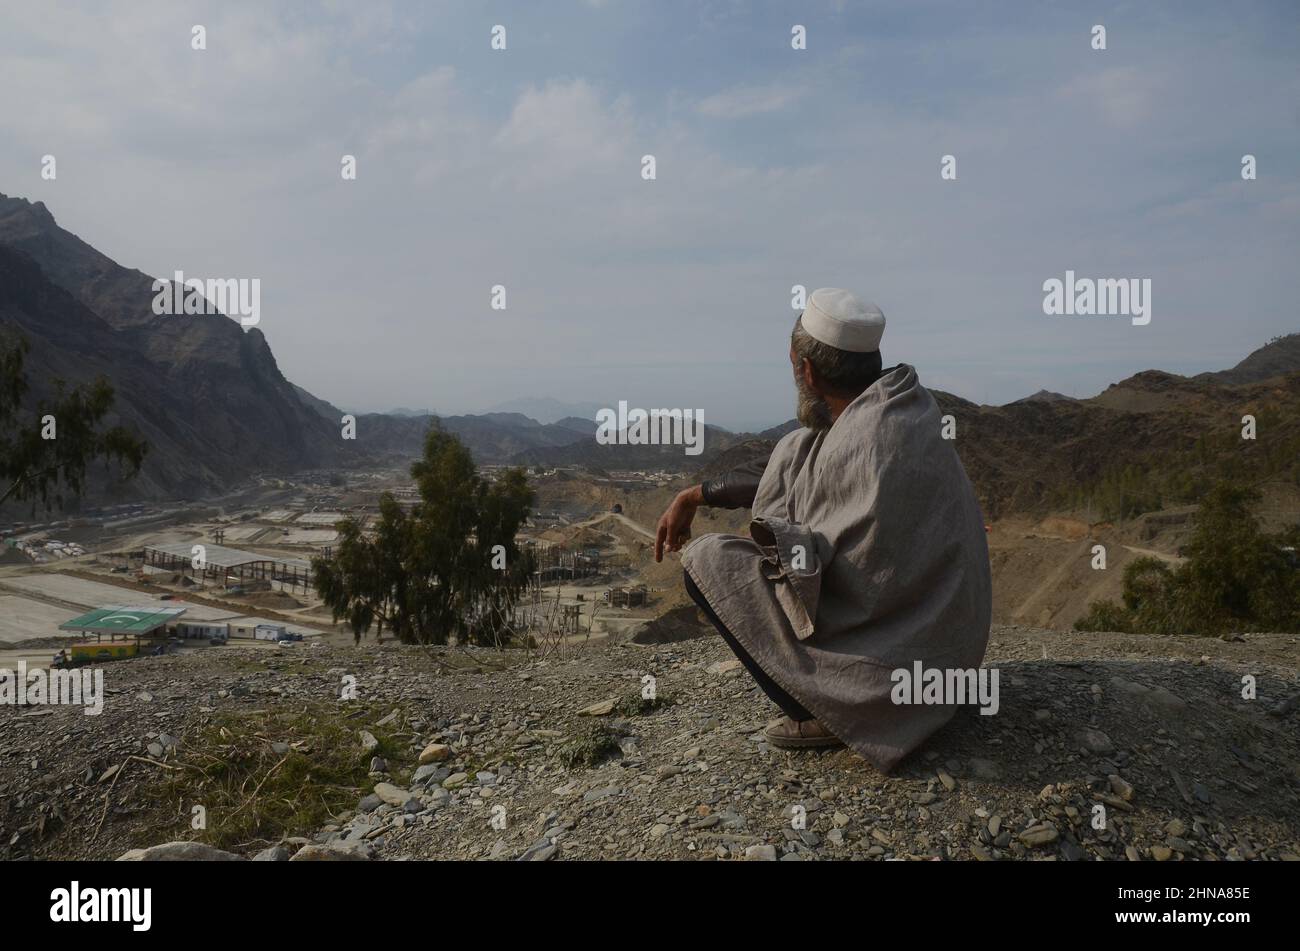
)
(790, 734)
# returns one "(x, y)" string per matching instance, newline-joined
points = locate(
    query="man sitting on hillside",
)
(866, 551)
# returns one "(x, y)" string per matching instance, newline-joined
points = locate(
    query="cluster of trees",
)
(447, 568)
(1235, 577)
(44, 455)
(1121, 492)
(1184, 476)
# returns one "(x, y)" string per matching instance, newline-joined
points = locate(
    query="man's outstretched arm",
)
(736, 489)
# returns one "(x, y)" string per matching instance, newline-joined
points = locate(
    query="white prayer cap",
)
(843, 320)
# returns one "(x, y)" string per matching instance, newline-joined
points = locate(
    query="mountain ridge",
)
(210, 398)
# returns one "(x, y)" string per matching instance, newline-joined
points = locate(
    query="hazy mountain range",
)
(212, 403)
(546, 409)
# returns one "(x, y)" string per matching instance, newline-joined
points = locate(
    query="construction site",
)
(225, 569)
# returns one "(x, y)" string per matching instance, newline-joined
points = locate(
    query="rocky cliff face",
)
(206, 394)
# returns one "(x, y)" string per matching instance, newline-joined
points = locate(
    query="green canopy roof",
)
(116, 619)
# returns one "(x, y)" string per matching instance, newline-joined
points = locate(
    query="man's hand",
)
(674, 528)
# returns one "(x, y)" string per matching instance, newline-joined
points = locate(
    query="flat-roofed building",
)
(131, 623)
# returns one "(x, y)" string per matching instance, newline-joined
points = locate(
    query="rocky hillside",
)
(1279, 357)
(1153, 439)
(206, 394)
(480, 755)
(1163, 433)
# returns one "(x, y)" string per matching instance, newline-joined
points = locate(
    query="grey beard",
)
(811, 409)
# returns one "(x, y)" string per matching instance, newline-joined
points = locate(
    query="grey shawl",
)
(867, 553)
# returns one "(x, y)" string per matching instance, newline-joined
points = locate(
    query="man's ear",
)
(809, 375)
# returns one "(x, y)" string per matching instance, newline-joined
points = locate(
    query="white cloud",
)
(563, 129)
(741, 101)
(1122, 95)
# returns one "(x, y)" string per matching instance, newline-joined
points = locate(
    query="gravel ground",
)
(1107, 746)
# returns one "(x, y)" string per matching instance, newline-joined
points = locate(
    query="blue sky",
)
(775, 167)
